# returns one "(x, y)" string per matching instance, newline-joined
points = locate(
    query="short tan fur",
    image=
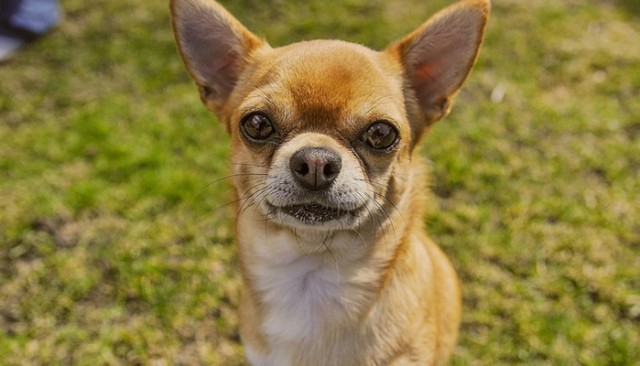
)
(336, 267)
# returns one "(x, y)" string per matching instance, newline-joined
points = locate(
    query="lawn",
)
(116, 240)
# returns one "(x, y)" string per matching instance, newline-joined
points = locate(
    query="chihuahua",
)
(335, 264)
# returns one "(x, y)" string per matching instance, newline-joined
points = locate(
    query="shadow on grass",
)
(632, 7)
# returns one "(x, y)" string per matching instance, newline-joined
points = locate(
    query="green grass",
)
(116, 247)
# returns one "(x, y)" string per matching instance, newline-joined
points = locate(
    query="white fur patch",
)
(305, 295)
(300, 297)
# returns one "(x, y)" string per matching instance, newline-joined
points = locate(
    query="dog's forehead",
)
(330, 67)
(331, 81)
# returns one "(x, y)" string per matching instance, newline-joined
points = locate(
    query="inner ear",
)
(438, 56)
(214, 46)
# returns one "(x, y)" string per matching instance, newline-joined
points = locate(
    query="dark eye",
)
(380, 135)
(257, 126)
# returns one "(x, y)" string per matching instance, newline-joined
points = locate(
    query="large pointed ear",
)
(214, 47)
(438, 56)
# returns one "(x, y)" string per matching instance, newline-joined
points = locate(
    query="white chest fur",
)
(302, 297)
(306, 291)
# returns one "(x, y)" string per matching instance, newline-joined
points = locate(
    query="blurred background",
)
(116, 244)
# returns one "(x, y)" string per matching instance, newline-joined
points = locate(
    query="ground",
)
(116, 237)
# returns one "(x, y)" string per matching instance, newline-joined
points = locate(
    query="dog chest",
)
(302, 298)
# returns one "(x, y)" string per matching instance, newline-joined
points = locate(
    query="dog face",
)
(323, 134)
(322, 131)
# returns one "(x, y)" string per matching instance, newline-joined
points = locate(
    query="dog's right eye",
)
(257, 127)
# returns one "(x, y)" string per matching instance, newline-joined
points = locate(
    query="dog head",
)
(322, 131)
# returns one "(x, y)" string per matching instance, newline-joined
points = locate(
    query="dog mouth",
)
(314, 213)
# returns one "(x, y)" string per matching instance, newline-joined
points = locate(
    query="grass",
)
(116, 247)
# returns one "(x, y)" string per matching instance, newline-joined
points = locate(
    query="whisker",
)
(333, 258)
(384, 197)
(297, 238)
(393, 205)
(387, 219)
(378, 221)
(202, 190)
(250, 165)
(241, 198)
(249, 199)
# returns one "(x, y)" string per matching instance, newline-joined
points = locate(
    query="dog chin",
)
(316, 216)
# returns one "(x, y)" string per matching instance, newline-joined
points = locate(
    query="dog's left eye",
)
(381, 135)
(257, 126)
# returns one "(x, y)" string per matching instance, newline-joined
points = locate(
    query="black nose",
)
(315, 168)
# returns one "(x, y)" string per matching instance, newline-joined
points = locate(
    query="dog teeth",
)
(314, 213)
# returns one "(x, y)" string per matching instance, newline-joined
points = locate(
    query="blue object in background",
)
(22, 21)
(35, 16)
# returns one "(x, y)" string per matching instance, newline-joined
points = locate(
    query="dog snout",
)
(315, 168)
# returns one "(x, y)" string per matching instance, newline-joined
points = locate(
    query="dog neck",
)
(308, 282)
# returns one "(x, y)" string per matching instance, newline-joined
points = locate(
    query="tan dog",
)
(336, 267)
